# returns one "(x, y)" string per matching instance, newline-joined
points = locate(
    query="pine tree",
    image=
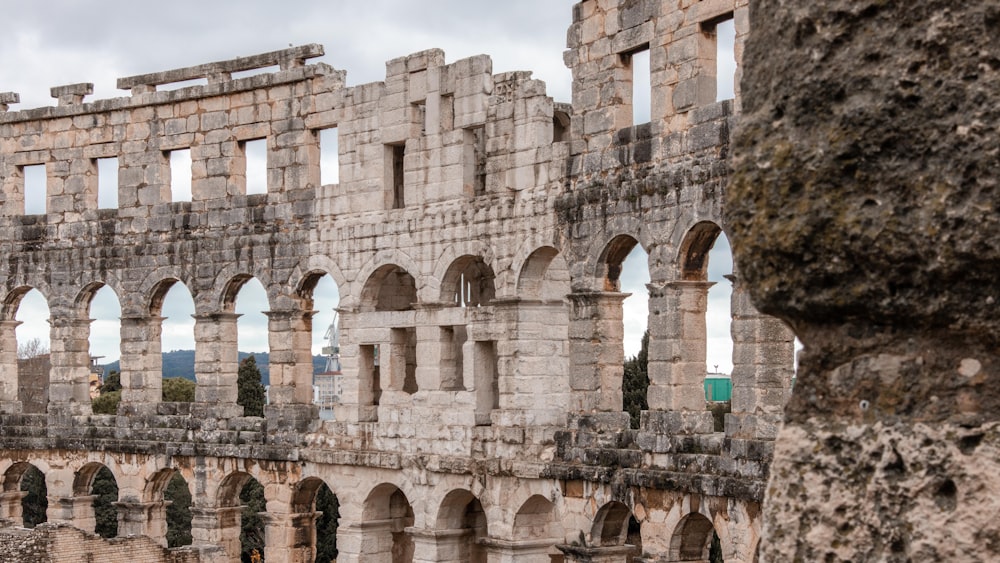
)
(178, 390)
(36, 502)
(635, 383)
(251, 523)
(178, 512)
(250, 391)
(105, 512)
(326, 525)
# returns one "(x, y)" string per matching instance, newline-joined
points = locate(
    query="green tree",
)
(178, 512)
(635, 383)
(251, 523)
(715, 551)
(105, 512)
(178, 390)
(36, 502)
(106, 403)
(250, 391)
(112, 382)
(326, 525)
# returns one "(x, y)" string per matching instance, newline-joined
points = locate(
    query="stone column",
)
(863, 210)
(9, 402)
(217, 527)
(290, 343)
(76, 511)
(11, 507)
(677, 368)
(440, 546)
(517, 551)
(290, 393)
(365, 542)
(596, 355)
(69, 387)
(141, 364)
(143, 519)
(763, 349)
(290, 537)
(216, 361)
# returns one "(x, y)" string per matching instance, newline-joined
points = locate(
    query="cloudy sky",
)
(68, 41)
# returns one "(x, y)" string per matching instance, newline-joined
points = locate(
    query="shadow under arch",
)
(609, 264)
(544, 276)
(692, 538)
(388, 288)
(694, 248)
(26, 478)
(387, 503)
(468, 282)
(614, 525)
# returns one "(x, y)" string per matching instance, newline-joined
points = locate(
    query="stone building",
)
(476, 235)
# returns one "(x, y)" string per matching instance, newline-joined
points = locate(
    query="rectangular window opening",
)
(487, 381)
(395, 155)
(642, 87)
(107, 183)
(180, 175)
(452, 361)
(370, 384)
(474, 161)
(255, 154)
(35, 189)
(329, 156)
(725, 59)
(403, 349)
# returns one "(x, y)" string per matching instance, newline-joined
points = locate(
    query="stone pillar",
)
(365, 542)
(863, 210)
(677, 368)
(290, 537)
(11, 507)
(9, 402)
(441, 546)
(143, 519)
(763, 349)
(69, 387)
(76, 511)
(517, 551)
(216, 361)
(290, 342)
(595, 352)
(217, 527)
(141, 364)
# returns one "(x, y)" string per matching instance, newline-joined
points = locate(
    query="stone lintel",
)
(72, 94)
(221, 70)
(7, 98)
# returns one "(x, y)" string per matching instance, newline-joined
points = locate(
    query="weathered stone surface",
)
(863, 212)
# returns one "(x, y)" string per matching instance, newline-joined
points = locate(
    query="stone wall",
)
(476, 236)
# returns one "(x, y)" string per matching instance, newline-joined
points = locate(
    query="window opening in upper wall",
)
(180, 175)
(255, 155)
(725, 57)
(107, 183)
(329, 156)
(35, 189)
(474, 161)
(642, 86)
(395, 154)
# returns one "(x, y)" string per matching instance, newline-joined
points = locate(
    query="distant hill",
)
(180, 363)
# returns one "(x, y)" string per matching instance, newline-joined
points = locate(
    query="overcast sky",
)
(63, 42)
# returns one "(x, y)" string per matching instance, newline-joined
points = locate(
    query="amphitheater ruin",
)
(476, 236)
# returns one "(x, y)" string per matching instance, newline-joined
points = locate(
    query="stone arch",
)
(590, 273)
(543, 275)
(156, 484)
(608, 268)
(692, 538)
(536, 520)
(614, 525)
(304, 500)
(13, 300)
(692, 253)
(228, 493)
(389, 288)
(86, 294)
(307, 284)
(16, 502)
(84, 480)
(445, 263)
(157, 292)
(461, 510)
(231, 289)
(389, 505)
(468, 281)
(383, 258)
